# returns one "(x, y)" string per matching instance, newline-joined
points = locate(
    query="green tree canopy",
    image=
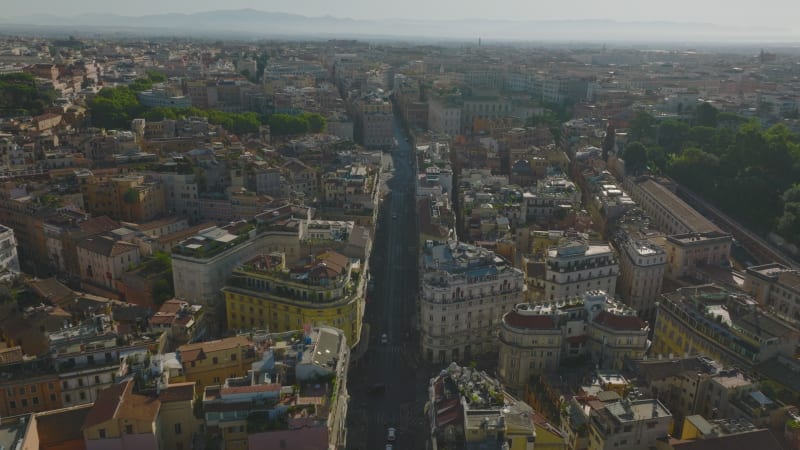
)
(705, 115)
(20, 95)
(316, 123)
(156, 77)
(703, 137)
(747, 171)
(657, 159)
(288, 125)
(114, 108)
(789, 222)
(608, 141)
(141, 84)
(672, 135)
(692, 166)
(642, 127)
(635, 158)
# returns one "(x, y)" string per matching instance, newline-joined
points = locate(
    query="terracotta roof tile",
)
(105, 406)
(97, 225)
(272, 387)
(191, 354)
(119, 402)
(577, 339)
(172, 306)
(215, 346)
(61, 425)
(53, 290)
(106, 246)
(618, 322)
(177, 392)
(533, 322)
(162, 319)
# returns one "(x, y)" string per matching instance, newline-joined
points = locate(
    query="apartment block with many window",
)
(465, 291)
(211, 362)
(776, 287)
(9, 261)
(281, 294)
(629, 424)
(642, 263)
(687, 252)
(576, 266)
(730, 327)
(537, 338)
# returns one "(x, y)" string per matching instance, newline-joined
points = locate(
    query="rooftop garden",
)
(213, 247)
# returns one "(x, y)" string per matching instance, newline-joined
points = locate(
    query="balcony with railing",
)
(712, 328)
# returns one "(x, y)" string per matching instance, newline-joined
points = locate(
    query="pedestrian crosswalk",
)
(393, 349)
(402, 415)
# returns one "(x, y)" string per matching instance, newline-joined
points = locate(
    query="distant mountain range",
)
(253, 23)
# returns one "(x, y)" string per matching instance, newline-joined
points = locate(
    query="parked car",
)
(391, 434)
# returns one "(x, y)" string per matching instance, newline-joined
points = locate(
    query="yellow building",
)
(548, 436)
(121, 419)
(698, 432)
(320, 290)
(129, 197)
(209, 363)
(687, 252)
(176, 418)
(728, 327)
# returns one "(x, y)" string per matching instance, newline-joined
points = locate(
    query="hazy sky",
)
(764, 13)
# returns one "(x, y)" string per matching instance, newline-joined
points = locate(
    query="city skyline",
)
(717, 12)
(247, 229)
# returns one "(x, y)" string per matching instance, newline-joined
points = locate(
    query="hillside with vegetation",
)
(19, 95)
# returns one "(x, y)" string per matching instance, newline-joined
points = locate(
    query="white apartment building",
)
(199, 275)
(9, 260)
(465, 292)
(642, 264)
(103, 260)
(686, 252)
(629, 425)
(669, 213)
(325, 230)
(180, 194)
(536, 338)
(531, 339)
(775, 286)
(548, 196)
(484, 108)
(89, 362)
(576, 266)
(375, 121)
(444, 116)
